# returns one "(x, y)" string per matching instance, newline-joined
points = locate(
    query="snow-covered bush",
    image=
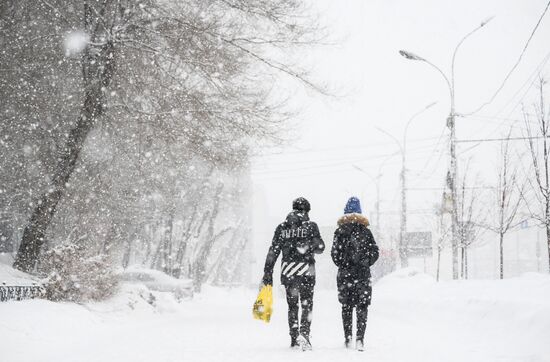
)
(73, 275)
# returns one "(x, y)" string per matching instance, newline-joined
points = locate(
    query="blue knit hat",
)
(353, 206)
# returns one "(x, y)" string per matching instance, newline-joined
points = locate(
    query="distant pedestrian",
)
(354, 251)
(299, 240)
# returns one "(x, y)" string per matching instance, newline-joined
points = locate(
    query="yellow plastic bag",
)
(263, 307)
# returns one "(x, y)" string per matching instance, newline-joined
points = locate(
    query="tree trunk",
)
(548, 244)
(438, 262)
(182, 248)
(127, 254)
(454, 253)
(226, 258)
(167, 248)
(466, 262)
(462, 262)
(547, 215)
(156, 262)
(239, 256)
(92, 109)
(199, 269)
(501, 247)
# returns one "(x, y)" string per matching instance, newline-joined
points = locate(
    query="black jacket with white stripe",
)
(298, 239)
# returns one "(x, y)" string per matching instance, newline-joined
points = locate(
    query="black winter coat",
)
(354, 251)
(298, 239)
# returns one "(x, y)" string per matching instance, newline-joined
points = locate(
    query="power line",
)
(324, 161)
(515, 65)
(501, 139)
(338, 148)
(315, 170)
(495, 119)
(440, 188)
(313, 164)
(525, 87)
(411, 212)
(434, 152)
(529, 81)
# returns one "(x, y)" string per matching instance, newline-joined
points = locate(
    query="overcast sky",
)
(383, 90)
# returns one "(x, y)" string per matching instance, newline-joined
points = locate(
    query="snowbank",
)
(504, 320)
(10, 276)
(412, 318)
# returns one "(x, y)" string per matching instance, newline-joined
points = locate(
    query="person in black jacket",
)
(354, 251)
(298, 239)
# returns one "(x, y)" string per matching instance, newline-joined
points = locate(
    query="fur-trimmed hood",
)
(353, 217)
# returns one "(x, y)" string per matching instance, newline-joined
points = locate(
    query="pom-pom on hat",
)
(353, 206)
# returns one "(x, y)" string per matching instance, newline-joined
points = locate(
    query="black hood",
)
(297, 217)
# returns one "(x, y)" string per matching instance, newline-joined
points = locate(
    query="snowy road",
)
(412, 319)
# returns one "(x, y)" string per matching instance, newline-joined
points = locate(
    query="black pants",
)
(299, 293)
(347, 318)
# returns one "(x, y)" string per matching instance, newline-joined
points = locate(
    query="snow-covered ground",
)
(11, 276)
(412, 319)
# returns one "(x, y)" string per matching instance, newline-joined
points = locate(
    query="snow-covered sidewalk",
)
(412, 319)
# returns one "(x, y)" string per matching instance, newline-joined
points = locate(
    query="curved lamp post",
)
(403, 253)
(452, 174)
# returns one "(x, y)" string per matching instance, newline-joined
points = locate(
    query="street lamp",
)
(404, 186)
(376, 181)
(403, 253)
(451, 179)
(411, 119)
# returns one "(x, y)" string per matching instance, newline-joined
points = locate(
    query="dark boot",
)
(348, 343)
(294, 342)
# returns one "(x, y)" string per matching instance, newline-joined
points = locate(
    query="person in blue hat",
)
(354, 251)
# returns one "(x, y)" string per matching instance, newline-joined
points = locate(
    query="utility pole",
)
(377, 205)
(403, 247)
(377, 202)
(452, 174)
(452, 186)
(376, 181)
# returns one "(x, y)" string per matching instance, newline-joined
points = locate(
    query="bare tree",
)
(189, 79)
(508, 196)
(471, 218)
(539, 151)
(443, 230)
(97, 68)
